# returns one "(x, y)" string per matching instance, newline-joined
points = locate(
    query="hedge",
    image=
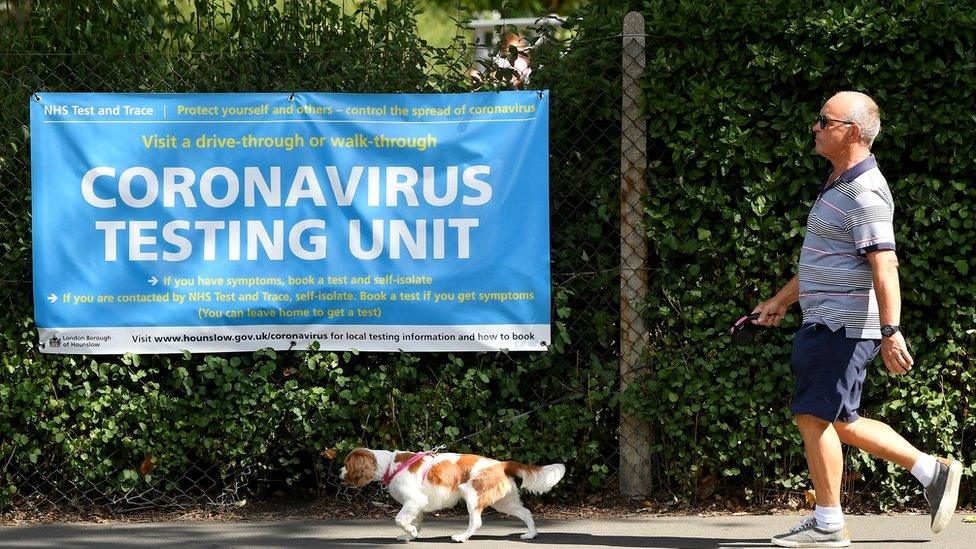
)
(729, 96)
(732, 92)
(152, 424)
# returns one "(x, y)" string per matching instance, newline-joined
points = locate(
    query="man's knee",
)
(847, 425)
(845, 430)
(806, 420)
(860, 428)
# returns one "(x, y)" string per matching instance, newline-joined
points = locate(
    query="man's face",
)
(836, 136)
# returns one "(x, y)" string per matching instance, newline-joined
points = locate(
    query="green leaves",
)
(728, 95)
(729, 118)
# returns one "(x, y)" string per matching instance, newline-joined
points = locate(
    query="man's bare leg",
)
(877, 438)
(825, 457)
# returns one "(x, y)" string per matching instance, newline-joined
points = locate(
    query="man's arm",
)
(894, 350)
(772, 310)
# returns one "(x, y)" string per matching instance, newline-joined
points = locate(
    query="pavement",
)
(692, 532)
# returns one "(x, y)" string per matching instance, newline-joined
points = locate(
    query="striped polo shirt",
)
(851, 217)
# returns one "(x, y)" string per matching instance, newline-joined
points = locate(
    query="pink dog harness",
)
(389, 476)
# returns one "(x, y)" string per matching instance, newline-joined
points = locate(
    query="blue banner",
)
(233, 222)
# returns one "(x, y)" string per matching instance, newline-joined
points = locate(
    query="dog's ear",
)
(360, 467)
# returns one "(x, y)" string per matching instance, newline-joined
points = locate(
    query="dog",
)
(425, 482)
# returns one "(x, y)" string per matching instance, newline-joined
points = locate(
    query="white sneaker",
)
(808, 534)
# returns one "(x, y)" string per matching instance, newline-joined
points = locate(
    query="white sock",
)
(828, 518)
(925, 469)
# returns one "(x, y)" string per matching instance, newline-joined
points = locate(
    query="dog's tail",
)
(535, 479)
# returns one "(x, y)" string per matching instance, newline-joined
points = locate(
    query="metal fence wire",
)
(599, 248)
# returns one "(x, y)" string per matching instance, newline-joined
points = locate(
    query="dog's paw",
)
(529, 535)
(460, 538)
(405, 537)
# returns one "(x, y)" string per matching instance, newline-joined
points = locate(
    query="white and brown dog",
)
(425, 482)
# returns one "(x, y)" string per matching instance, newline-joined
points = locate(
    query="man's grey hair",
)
(864, 112)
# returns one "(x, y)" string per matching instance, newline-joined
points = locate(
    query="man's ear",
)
(855, 133)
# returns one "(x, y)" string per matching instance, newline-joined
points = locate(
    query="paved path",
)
(889, 532)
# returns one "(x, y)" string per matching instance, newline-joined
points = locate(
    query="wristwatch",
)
(888, 330)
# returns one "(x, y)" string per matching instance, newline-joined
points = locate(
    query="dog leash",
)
(493, 424)
(744, 331)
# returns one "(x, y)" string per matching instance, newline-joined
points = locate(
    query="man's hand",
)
(771, 312)
(894, 350)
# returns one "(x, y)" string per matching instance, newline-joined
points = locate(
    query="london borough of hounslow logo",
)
(55, 341)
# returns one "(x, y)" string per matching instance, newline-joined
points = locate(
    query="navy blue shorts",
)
(829, 369)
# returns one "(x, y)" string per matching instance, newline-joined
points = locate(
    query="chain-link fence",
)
(597, 148)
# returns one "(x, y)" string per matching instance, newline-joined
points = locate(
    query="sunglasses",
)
(823, 121)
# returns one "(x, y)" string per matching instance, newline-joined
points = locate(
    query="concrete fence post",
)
(635, 435)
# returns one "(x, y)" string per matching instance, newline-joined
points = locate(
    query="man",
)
(848, 291)
(520, 66)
